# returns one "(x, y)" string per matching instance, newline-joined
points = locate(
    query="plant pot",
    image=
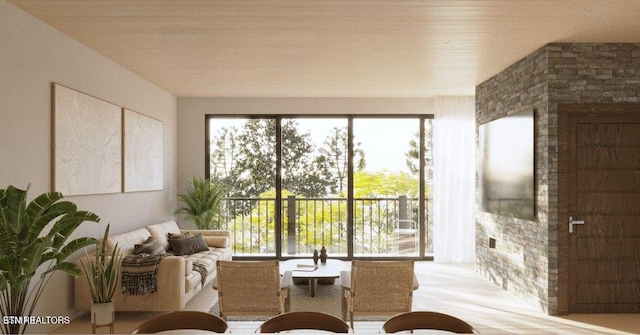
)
(102, 314)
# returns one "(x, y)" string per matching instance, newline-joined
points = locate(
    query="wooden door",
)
(601, 186)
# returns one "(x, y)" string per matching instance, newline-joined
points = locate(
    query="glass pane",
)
(314, 186)
(243, 159)
(386, 187)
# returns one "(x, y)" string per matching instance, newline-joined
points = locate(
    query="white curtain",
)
(454, 171)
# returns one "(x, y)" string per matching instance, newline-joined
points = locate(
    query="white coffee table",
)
(303, 268)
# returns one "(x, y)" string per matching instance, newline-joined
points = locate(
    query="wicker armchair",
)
(252, 288)
(426, 320)
(304, 321)
(183, 320)
(377, 288)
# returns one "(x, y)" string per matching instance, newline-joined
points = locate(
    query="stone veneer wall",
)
(524, 259)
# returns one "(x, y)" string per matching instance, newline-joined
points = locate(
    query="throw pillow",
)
(188, 245)
(173, 236)
(151, 246)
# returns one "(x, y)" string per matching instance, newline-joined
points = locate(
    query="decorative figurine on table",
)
(323, 255)
(315, 257)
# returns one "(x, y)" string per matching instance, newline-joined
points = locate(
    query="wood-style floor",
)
(451, 289)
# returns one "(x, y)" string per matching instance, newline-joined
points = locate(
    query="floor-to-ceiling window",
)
(357, 185)
(242, 157)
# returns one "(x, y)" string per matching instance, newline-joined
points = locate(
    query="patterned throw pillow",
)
(151, 246)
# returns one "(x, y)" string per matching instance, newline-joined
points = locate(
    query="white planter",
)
(102, 314)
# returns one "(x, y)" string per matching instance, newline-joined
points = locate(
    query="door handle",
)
(572, 222)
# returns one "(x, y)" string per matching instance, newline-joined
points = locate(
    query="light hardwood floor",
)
(451, 289)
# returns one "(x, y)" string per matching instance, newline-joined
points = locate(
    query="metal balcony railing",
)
(380, 226)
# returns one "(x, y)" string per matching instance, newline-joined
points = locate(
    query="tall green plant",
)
(102, 271)
(202, 203)
(25, 246)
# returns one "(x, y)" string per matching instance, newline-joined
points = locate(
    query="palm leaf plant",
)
(102, 271)
(202, 203)
(25, 246)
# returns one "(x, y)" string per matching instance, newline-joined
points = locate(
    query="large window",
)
(357, 185)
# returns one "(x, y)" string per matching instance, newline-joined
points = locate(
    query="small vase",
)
(323, 255)
(315, 257)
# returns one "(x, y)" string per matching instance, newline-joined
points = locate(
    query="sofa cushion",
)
(159, 231)
(150, 246)
(208, 259)
(127, 241)
(188, 245)
(217, 241)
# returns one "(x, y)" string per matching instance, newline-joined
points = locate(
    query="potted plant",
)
(25, 246)
(102, 272)
(202, 203)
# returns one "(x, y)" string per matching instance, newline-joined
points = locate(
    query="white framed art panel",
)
(87, 143)
(143, 152)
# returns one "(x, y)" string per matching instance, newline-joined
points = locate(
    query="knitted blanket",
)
(140, 274)
(202, 269)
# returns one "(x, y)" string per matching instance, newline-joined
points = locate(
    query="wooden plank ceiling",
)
(329, 48)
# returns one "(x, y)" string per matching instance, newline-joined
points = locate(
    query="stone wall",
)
(527, 263)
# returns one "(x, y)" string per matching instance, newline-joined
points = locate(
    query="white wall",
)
(192, 111)
(32, 55)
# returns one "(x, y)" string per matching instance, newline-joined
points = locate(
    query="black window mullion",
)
(278, 205)
(350, 207)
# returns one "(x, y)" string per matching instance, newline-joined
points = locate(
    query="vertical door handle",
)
(572, 222)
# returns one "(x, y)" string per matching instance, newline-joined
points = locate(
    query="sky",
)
(384, 141)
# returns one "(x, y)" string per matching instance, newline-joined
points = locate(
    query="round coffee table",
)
(304, 268)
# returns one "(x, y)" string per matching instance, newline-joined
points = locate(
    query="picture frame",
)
(86, 143)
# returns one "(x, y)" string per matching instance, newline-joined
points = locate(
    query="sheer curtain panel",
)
(454, 142)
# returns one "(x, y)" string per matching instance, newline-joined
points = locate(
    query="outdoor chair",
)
(377, 288)
(183, 320)
(304, 321)
(426, 320)
(252, 288)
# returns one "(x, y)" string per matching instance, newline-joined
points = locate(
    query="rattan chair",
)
(377, 288)
(426, 320)
(304, 321)
(252, 288)
(183, 320)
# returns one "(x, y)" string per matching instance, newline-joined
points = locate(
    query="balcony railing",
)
(382, 226)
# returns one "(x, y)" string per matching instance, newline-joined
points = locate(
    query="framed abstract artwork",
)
(143, 152)
(87, 143)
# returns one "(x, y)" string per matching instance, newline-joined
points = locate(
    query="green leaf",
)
(68, 223)
(42, 217)
(5, 231)
(3, 283)
(67, 267)
(31, 255)
(15, 208)
(74, 246)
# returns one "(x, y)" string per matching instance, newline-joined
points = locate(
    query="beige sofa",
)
(177, 283)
